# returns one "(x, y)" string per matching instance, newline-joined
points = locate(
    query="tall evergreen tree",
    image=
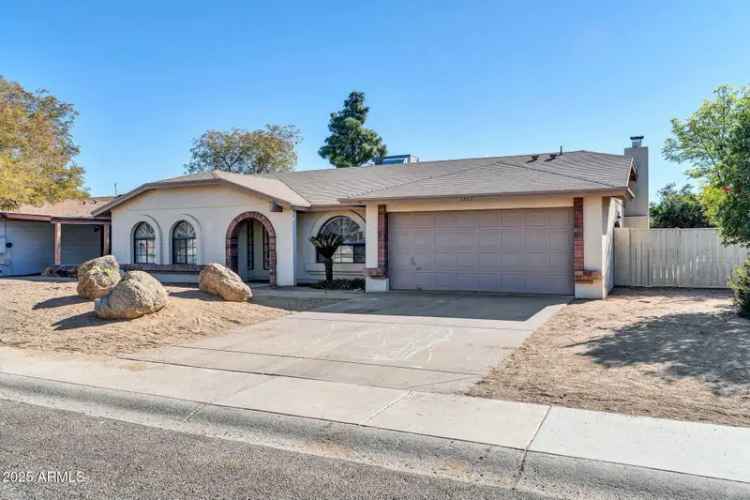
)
(350, 143)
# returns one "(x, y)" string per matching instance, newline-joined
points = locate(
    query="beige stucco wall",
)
(210, 210)
(308, 225)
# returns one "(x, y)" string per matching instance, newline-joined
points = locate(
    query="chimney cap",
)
(637, 140)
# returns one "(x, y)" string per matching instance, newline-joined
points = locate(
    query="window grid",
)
(184, 248)
(144, 244)
(352, 251)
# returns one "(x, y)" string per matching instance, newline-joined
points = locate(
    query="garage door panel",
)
(489, 239)
(537, 261)
(488, 218)
(423, 238)
(489, 261)
(560, 241)
(524, 250)
(513, 218)
(536, 218)
(452, 239)
(560, 218)
(537, 240)
(511, 241)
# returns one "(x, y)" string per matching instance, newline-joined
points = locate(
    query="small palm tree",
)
(327, 244)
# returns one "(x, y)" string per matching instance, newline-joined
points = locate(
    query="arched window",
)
(144, 244)
(353, 249)
(183, 244)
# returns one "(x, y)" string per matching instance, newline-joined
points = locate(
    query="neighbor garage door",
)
(525, 250)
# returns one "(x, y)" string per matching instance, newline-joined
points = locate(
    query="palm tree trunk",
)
(329, 270)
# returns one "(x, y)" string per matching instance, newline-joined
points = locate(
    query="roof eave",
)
(178, 184)
(623, 191)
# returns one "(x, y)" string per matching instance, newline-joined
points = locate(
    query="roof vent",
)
(396, 160)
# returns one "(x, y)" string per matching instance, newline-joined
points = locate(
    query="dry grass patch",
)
(680, 354)
(47, 314)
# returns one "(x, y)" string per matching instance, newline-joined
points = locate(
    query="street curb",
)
(507, 468)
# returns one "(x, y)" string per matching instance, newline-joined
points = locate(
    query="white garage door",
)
(522, 251)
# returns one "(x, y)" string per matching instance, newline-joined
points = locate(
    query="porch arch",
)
(231, 242)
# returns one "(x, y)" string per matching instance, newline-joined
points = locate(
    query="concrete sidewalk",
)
(706, 450)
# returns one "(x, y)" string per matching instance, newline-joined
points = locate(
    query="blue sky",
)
(443, 79)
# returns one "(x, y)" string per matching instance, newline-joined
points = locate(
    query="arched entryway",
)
(232, 245)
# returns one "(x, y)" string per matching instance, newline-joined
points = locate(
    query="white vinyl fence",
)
(674, 258)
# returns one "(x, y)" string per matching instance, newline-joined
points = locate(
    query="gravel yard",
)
(47, 314)
(670, 353)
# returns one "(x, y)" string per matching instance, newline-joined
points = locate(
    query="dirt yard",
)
(47, 314)
(679, 354)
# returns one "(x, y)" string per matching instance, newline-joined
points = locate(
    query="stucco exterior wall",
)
(308, 225)
(210, 210)
(599, 217)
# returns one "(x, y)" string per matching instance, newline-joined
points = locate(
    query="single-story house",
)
(64, 233)
(535, 223)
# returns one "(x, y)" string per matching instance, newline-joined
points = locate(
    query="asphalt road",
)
(47, 453)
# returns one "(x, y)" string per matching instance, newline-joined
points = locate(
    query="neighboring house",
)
(522, 224)
(63, 233)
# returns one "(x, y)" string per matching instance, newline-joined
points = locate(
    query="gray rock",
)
(96, 277)
(137, 294)
(219, 280)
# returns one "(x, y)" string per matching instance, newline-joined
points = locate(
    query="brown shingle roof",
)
(548, 173)
(575, 171)
(67, 209)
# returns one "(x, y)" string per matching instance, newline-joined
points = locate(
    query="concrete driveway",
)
(433, 342)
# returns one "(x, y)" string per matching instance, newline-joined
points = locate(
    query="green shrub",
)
(740, 283)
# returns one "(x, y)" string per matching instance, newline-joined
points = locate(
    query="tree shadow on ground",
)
(54, 302)
(712, 346)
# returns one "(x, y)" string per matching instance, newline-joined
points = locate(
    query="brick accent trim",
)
(578, 235)
(382, 270)
(231, 242)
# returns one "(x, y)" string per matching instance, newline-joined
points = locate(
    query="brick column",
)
(579, 271)
(56, 243)
(382, 270)
(383, 239)
(578, 236)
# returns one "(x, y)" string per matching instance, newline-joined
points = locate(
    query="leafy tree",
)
(262, 151)
(678, 208)
(716, 141)
(36, 148)
(327, 244)
(350, 143)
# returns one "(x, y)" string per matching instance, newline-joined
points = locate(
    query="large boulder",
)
(96, 277)
(219, 280)
(138, 293)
